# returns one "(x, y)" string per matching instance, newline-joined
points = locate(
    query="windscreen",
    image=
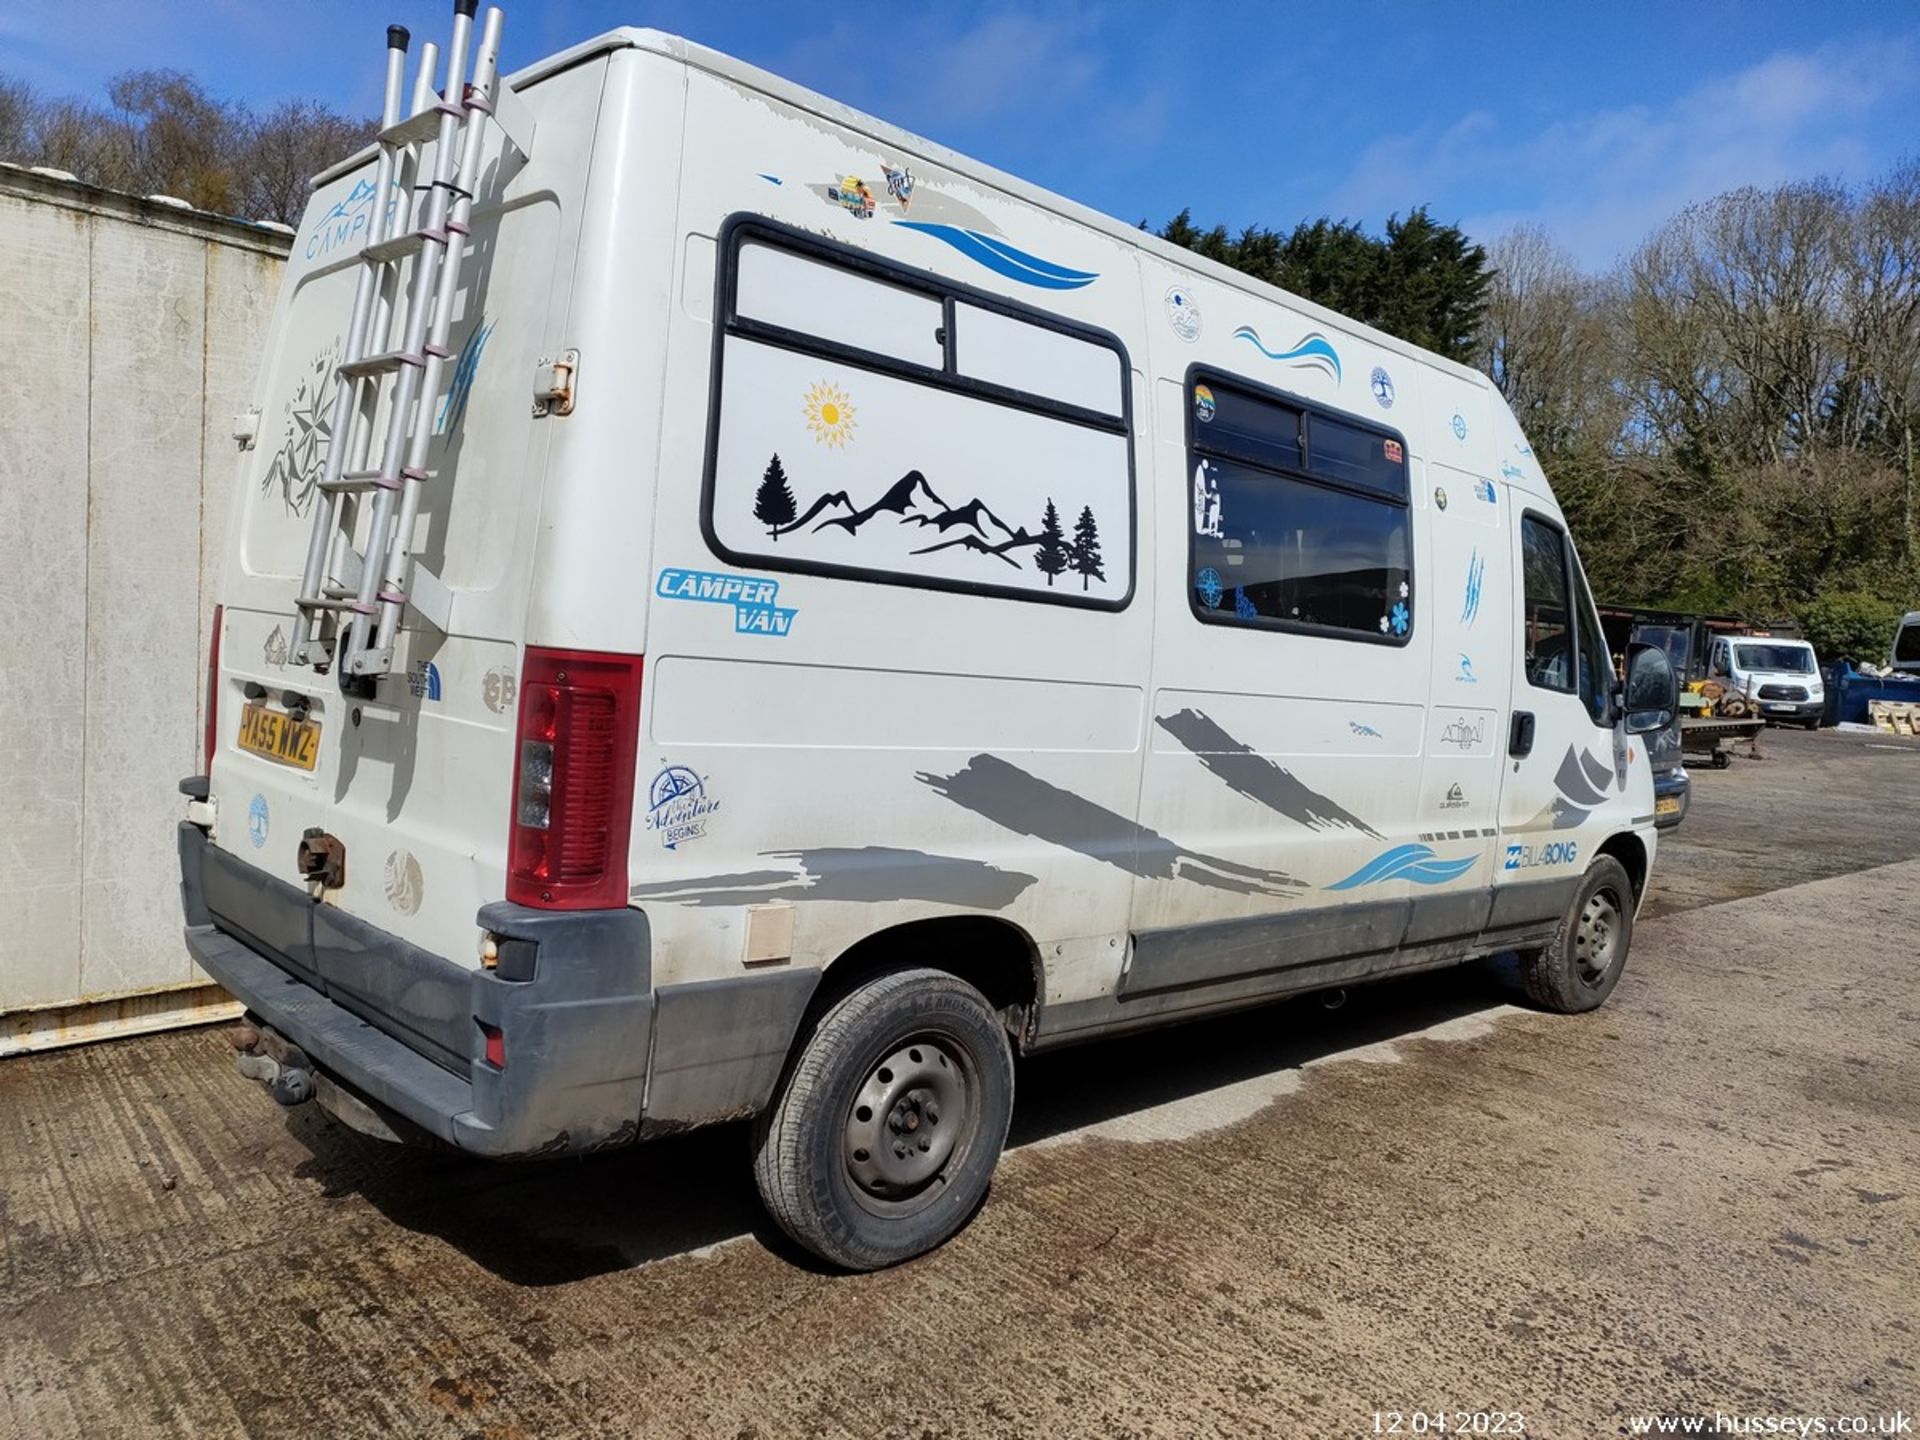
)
(1784, 659)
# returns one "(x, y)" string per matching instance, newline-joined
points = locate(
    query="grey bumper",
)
(595, 1055)
(400, 1027)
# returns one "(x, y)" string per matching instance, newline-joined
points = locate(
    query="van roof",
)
(752, 77)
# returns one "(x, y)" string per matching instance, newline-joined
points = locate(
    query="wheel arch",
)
(995, 956)
(1631, 851)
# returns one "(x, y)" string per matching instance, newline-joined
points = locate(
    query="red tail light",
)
(573, 779)
(213, 687)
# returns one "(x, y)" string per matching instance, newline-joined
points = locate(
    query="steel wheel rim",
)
(911, 1118)
(1596, 936)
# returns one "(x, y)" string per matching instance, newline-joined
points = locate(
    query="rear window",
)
(1906, 645)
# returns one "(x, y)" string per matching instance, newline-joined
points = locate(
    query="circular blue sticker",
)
(1207, 582)
(257, 821)
(1459, 426)
(1382, 384)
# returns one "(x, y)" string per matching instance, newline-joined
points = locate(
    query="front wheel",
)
(1580, 968)
(882, 1141)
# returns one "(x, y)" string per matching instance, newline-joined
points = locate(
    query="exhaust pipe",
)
(1332, 999)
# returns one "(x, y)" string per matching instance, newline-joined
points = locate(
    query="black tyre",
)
(1580, 968)
(882, 1141)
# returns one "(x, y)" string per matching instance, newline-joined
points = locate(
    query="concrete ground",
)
(1703, 1198)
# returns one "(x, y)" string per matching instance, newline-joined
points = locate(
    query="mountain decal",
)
(971, 527)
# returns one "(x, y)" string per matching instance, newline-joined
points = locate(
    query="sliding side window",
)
(1300, 518)
(889, 425)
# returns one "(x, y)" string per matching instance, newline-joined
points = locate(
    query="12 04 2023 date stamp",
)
(1443, 1420)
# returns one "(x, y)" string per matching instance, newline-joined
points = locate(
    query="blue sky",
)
(1596, 120)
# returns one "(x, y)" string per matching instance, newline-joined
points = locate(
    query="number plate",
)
(279, 737)
(1667, 805)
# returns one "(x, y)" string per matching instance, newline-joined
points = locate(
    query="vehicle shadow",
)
(540, 1223)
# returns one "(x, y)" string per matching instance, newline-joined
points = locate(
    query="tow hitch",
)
(275, 1061)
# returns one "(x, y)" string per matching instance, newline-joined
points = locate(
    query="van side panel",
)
(825, 756)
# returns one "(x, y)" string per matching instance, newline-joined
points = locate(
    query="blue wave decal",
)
(1417, 863)
(1003, 259)
(1314, 351)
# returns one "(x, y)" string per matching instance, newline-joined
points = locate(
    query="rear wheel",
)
(882, 1141)
(1580, 968)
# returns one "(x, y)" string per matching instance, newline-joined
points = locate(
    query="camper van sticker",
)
(1396, 619)
(1483, 489)
(1184, 317)
(1243, 606)
(404, 884)
(1470, 601)
(751, 596)
(306, 433)
(274, 651)
(346, 225)
(453, 406)
(1417, 863)
(771, 179)
(1312, 351)
(1203, 404)
(1464, 675)
(1206, 501)
(899, 184)
(1508, 471)
(1456, 798)
(257, 821)
(1255, 776)
(1464, 732)
(678, 806)
(829, 414)
(1004, 259)
(1366, 731)
(1382, 386)
(1459, 426)
(423, 680)
(1027, 805)
(1555, 852)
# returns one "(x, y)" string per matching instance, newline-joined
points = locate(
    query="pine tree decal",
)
(773, 506)
(1050, 559)
(1084, 552)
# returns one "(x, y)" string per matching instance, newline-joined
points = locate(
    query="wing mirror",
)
(1652, 690)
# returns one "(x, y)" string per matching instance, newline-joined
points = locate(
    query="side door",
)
(1562, 768)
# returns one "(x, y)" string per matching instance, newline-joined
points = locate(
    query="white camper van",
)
(824, 618)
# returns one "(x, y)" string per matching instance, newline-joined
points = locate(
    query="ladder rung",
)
(309, 602)
(390, 360)
(398, 248)
(423, 126)
(354, 481)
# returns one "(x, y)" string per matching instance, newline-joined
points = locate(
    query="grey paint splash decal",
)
(1581, 791)
(868, 875)
(1255, 776)
(1028, 805)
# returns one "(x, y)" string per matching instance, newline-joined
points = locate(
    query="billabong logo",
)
(1554, 852)
(1313, 351)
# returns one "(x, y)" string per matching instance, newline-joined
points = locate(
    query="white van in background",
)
(1905, 655)
(861, 618)
(1779, 675)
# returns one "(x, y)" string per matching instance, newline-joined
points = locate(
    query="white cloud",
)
(1600, 182)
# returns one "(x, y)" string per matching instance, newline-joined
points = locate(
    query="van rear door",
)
(415, 779)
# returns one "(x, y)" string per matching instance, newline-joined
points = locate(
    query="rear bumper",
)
(577, 1032)
(1671, 786)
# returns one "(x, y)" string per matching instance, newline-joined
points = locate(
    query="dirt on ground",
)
(1703, 1198)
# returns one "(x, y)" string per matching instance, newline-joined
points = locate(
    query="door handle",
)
(1520, 740)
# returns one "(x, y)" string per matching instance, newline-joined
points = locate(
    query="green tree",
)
(1423, 281)
(1850, 623)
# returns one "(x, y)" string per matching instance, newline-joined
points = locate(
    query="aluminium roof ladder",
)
(399, 335)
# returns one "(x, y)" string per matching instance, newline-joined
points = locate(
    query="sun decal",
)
(829, 414)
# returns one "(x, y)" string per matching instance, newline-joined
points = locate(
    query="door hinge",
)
(246, 425)
(553, 380)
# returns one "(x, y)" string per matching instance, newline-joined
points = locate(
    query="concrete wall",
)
(132, 331)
